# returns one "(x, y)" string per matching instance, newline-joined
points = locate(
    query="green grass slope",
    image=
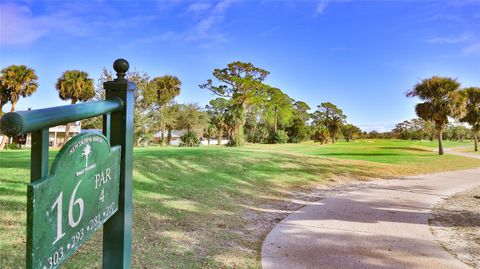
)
(210, 207)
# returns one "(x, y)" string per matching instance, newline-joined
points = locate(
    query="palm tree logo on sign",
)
(87, 150)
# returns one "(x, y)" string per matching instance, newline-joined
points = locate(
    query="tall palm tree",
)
(74, 85)
(15, 81)
(472, 116)
(442, 100)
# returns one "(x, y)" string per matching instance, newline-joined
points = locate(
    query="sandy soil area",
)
(455, 222)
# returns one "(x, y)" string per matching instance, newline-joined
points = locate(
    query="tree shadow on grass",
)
(361, 230)
(189, 204)
(217, 189)
(334, 249)
(407, 149)
(359, 154)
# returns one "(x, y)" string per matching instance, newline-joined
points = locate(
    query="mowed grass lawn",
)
(211, 207)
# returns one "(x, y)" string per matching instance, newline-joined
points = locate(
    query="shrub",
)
(321, 135)
(280, 137)
(298, 131)
(13, 146)
(258, 134)
(189, 139)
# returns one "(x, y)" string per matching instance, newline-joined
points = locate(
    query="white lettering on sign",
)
(57, 255)
(102, 178)
(84, 141)
(59, 205)
(73, 202)
(102, 196)
(86, 169)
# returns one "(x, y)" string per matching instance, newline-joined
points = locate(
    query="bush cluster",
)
(189, 139)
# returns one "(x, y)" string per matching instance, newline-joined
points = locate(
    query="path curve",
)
(384, 225)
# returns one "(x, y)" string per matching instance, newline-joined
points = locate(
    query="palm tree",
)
(15, 81)
(3, 99)
(472, 116)
(331, 117)
(442, 100)
(75, 85)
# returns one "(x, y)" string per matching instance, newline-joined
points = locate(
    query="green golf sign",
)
(80, 194)
(89, 185)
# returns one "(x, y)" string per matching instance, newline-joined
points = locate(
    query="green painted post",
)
(39, 155)
(39, 170)
(106, 126)
(117, 231)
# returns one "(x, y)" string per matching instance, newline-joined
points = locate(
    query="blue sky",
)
(360, 55)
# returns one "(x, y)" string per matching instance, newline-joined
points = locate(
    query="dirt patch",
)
(455, 222)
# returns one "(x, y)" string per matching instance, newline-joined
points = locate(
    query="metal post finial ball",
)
(121, 66)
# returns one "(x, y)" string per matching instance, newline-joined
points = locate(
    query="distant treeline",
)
(245, 109)
(418, 129)
(443, 100)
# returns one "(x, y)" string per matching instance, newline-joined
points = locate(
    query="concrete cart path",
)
(384, 225)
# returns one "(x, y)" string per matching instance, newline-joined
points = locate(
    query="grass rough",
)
(206, 207)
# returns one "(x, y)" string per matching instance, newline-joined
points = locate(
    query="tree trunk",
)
(14, 104)
(208, 141)
(169, 135)
(237, 136)
(5, 138)
(440, 142)
(67, 133)
(333, 137)
(67, 127)
(475, 138)
(220, 136)
(275, 122)
(236, 139)
(164, 129)
(4, 142)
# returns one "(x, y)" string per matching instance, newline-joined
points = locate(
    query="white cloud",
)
(470, 43)
(21, 26)
(321, 6)
(18, 27)
(203, 30)
(166, 36)
(213, 18)
(199, 7)
(379, 127)
(449, 18)
(450, 40)
(472, 49)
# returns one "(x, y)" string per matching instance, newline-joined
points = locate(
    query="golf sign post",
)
(90, 182)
